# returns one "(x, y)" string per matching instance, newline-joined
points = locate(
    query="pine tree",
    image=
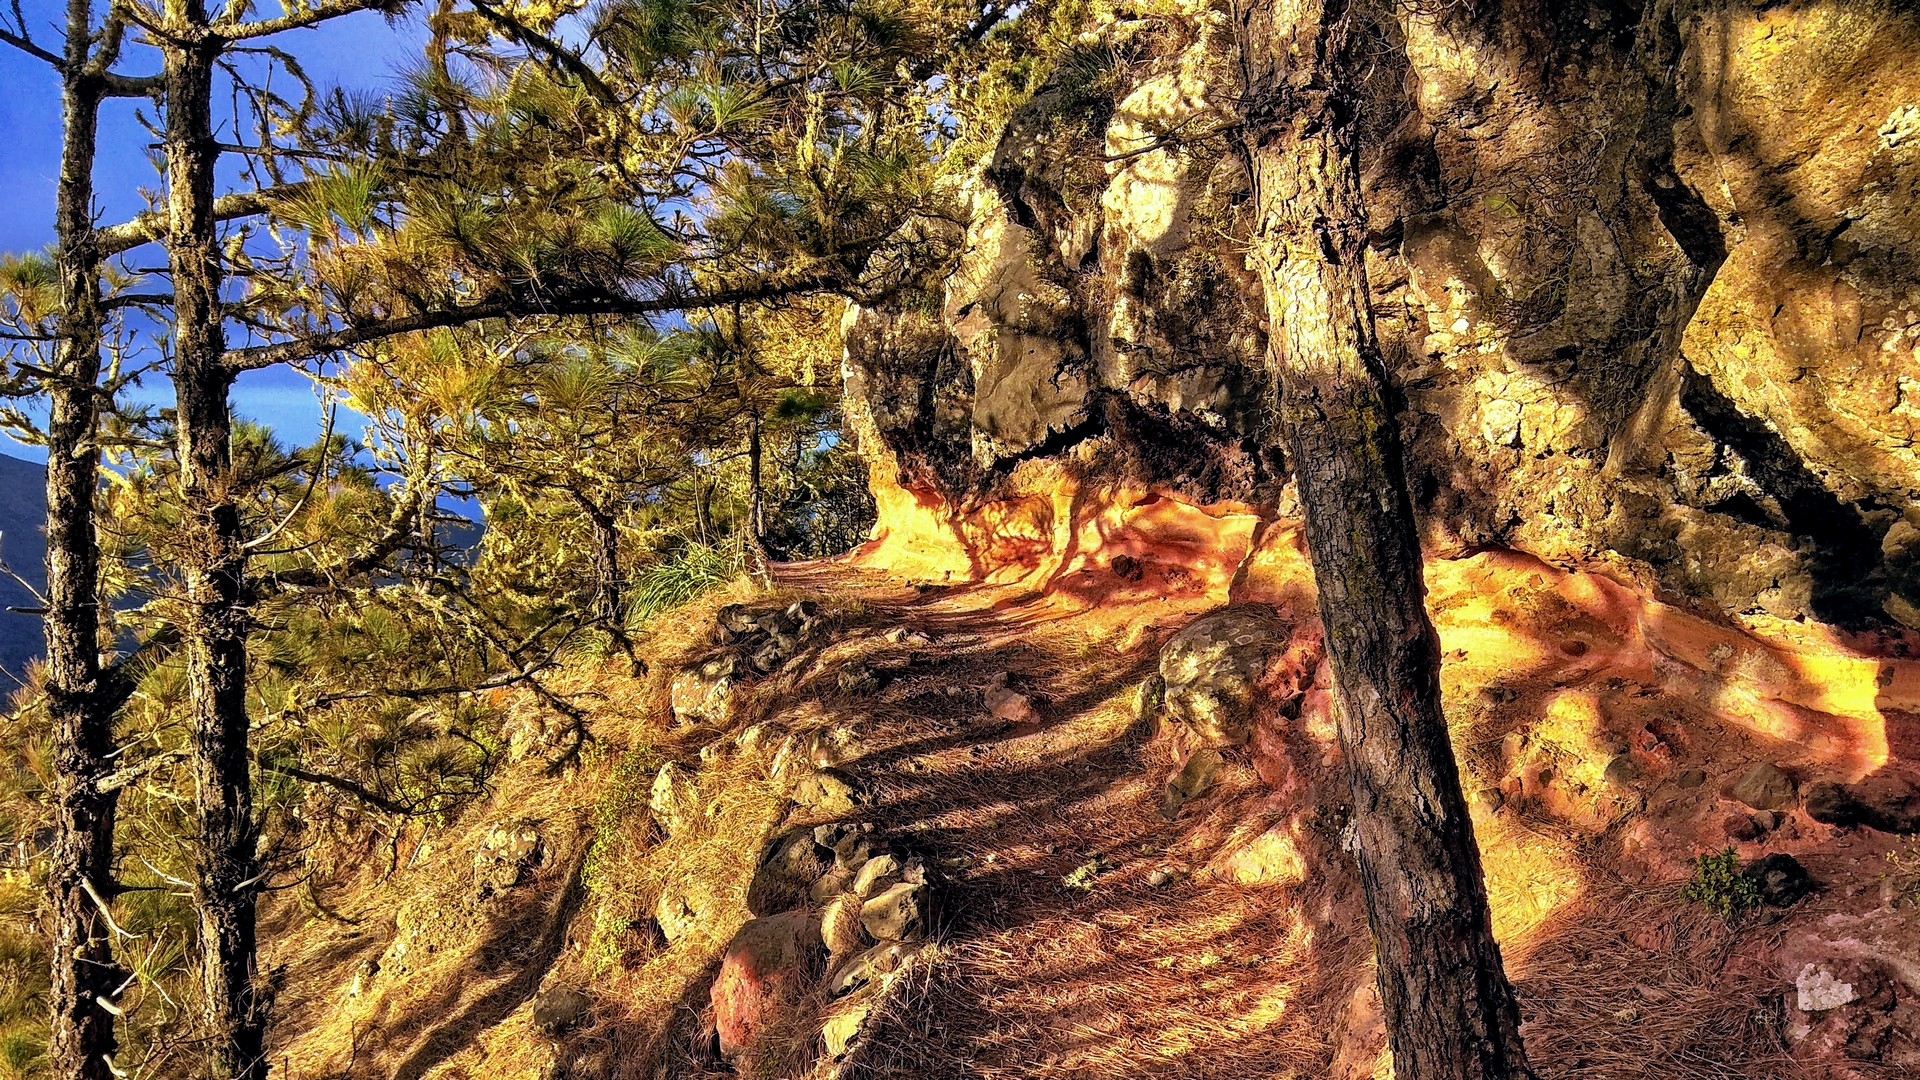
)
(78, 698)
(1449, 1010)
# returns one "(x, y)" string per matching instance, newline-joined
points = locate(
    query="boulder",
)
(1762, 786)
(766, 969)
(1212, 667)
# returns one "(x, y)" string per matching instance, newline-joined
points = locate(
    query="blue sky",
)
(361, 50)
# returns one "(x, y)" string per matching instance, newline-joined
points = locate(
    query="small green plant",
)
(622, 797)
(1720, 886)
(625, 792)
(1901, 883)
(1082, 877)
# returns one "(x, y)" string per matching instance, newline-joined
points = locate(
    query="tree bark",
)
(81, 1042)
(1450, 1012)
(212, 564)
(756, 498)
(609, 583)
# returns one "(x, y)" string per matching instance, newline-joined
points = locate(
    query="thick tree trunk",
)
(81, 1042)
(213, 564)
(1449, 1010)
(609, 583)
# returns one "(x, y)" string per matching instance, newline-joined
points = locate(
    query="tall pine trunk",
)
(212, 564)
(1450, 1012)
(81, 1042)
(756, 498)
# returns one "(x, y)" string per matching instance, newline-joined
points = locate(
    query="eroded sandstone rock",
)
(1211, 669)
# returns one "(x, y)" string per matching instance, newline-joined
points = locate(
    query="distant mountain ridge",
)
(23, 515)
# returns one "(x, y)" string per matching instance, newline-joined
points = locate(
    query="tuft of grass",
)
(1720, 887)
(691, 571)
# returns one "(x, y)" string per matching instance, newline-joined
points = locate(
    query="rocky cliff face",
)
(1647, 275)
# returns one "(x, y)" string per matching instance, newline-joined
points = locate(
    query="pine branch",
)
(553, 50)
(300, 20)
(340, 783)
(596, 303)
(151, 227)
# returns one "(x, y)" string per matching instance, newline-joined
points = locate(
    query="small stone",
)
(1887, 803)
(1740, 828)
(840, 928)
(844, 1026)
(858, 680)
(1622, 771)
(836, 880)
(896, 914)
(824, 793)
(502, 860)
(1007, 705)
(555, 1011)
(873, 964)
(674, 798)
(852, 851)
(1126, 568)
(677, 912)
(1512, 747)
(1272, 858)
(1159, 877)
(792, 863)
(1819, 991)
(1766, 821)
(1148, 698)
(1489, 800)
(1781, 880)
(878, 873)
(1690, 779)
(700, 696)
(1763, 786)
(1191, 782)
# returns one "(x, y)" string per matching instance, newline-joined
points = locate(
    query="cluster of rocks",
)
(446, 918)
(754, 643)
(834, 913)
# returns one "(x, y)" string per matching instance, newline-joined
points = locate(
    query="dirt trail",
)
(1087, 934)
